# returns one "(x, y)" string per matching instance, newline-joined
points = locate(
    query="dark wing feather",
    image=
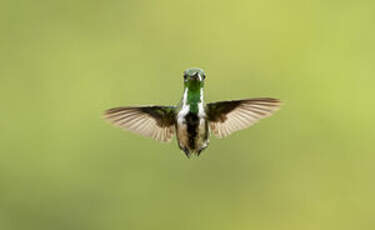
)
(151, 121)
(227, 117)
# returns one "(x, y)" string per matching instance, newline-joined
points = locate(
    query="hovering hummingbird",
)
(192, 120)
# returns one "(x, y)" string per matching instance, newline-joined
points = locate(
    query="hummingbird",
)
(192, 121)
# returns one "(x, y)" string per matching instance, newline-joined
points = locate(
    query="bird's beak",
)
(196, 77)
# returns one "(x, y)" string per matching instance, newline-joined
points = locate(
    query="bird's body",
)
(192, 126)
(192, 120)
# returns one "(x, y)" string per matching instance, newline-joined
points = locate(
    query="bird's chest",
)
(191, 128)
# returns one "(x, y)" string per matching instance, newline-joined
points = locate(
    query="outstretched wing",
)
(227, 117)
(150, 121)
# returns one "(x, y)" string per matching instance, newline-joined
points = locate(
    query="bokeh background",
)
(62, 63)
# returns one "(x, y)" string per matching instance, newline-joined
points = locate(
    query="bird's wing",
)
(150, 121)
(227, 117)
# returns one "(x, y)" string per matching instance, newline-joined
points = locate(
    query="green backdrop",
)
(62, 63)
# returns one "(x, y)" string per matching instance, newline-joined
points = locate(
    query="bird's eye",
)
(185, 77)
(204, 77)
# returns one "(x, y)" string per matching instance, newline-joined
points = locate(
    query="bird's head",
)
(194, 78)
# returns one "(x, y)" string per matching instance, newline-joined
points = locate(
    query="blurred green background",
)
(62, 63)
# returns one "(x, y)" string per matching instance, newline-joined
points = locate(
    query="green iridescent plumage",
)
(192, 120)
